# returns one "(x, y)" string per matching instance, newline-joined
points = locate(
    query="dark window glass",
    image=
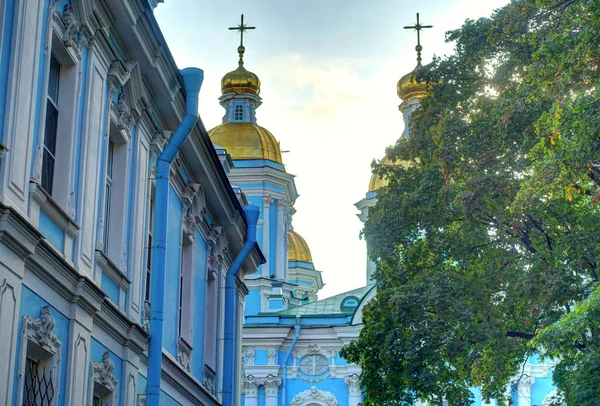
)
(53, 80)
(238, 114)
(50, 129)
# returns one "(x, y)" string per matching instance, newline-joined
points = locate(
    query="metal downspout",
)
(192, 79)
(251, 213)
(287, 357)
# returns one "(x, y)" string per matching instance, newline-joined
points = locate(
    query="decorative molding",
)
(184, 354)
(250, 386)
(313, 349)
(353, 383)
(103, 372)
(267, 200)
(271, 355)
(209, 380)
(312, 394)
(43, 327)
(72, 27)
(271, 384)
(249, 354)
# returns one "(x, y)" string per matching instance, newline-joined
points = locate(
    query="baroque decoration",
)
(102, 372)
(312, 394)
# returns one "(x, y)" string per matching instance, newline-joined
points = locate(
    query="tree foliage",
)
(487, 244)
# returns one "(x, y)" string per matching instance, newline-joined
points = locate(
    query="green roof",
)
(329, 306)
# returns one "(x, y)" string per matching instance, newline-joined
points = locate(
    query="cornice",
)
(174, 374)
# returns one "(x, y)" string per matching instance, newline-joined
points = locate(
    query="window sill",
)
(53, 210)
(112, 271)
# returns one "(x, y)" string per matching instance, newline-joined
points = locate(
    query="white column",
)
(267, 200)
(281, 256)
(272, 385)
(354, 392)
(524, 390)
(251, 391)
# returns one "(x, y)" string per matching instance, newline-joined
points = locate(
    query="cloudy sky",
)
(329, 70)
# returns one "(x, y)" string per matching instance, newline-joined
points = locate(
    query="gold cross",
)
(241, 28)
(418, 27)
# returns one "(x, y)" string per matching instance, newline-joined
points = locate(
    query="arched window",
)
(238, 113)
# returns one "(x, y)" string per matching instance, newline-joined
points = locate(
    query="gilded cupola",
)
(240, 80)
(409, 88)
(298, 250)
(246, 141)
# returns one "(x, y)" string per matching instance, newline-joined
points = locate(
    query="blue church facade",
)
(123, 246)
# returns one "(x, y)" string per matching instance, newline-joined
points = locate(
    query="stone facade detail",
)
(314, 394)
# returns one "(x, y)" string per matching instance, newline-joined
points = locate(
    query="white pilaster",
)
(524, 390)
(354, 392)
(267, 200)
(251, 391)
(272, 385)
(281, 255)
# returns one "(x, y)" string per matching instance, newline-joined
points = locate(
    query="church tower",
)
(257, 169)
(410, 91)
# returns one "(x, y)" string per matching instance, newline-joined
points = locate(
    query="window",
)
(186, 291)
(50, 131)
(108, 192)
(149, 253)
(314, 365)
(238, 113)
(39, 361)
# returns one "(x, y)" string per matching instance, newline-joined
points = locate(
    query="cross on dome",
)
(241, 28)
(418, 27)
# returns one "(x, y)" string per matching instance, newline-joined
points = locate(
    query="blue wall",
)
(252, 303)
(52, 231)
(199, 313)
(31, 304)
(170, 332)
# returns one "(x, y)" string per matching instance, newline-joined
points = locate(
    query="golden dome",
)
(246, 141)
(408, 88)
(298, 248)
(377, 182)
(240, 80)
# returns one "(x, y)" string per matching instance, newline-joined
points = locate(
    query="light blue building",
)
(291, 340)
(123, 246)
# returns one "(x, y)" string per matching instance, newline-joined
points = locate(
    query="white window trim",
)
(69, 58)
(39, 332)
(101, 373)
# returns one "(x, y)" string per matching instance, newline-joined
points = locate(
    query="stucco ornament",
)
(353, 383)
(248, 353)
(250, 385)
(44, 326)
(106, 371)
(314, 394)
(272, 384)
(72, 26)
(271, 354)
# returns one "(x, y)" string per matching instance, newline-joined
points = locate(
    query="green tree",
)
(487, 244)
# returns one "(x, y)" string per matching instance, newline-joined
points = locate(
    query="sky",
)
(329, 70)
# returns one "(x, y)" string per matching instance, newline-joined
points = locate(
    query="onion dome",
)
(298, 248)
(408, 88)
(240, 80)
(246, 141)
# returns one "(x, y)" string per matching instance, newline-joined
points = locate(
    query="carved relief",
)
(184, 358)
(304, 398)
(353, 382)
(272, 384)
(250, 386)
(123, 111)
(249, 353)
(44, 326)
(72, 27)
(271, 355)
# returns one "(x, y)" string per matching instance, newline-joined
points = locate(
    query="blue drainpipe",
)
(251, 213)
(287, 357)
(192, 80)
